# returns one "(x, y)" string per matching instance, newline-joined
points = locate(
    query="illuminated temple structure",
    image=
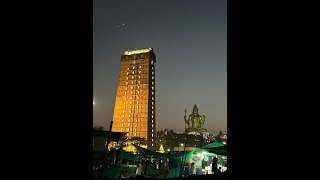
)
(134, 111)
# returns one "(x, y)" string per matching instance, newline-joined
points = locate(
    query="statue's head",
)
(195, 109)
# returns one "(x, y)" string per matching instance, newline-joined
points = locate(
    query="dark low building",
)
(100, 140)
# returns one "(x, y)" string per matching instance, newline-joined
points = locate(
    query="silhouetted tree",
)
(122, 142)
(139, 140)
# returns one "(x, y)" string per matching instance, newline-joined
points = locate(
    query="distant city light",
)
(181, 144)
(168, 149)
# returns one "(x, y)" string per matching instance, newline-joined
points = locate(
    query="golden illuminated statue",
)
(195, 121)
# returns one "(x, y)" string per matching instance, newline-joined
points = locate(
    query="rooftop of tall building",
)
(137, 51)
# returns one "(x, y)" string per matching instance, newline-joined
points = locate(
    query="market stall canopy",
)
(215, 147)
(128, 155)
(181, 156)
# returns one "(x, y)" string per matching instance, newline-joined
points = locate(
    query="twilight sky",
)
(189, 39)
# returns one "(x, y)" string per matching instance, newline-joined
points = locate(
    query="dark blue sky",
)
(189, 39)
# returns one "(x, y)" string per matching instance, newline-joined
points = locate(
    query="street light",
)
(182, 163)
(179, 146)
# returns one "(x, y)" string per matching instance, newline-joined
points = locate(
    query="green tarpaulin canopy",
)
(147, 151)
(215, 147)
(222, 150)
(181, 156)
(211, 154)
(128, 156)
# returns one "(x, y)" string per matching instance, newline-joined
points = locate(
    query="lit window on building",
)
(152, 98)
(152, 93)
(152, 77)
(152, 135)
(152, 88)
(152, 112)
(152, 67)
(152, 116)
(152, 107)
(128, 129)
(152, 130)
(152, 120)
(152, 72)
(152, 140)
(121, 130)
(152, 103)
(152, 62)
(152, 144)
(152, 83)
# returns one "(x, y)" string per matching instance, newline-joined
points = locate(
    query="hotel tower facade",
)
(134, 111)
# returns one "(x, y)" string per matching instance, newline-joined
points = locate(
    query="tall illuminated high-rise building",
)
(134, 110)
